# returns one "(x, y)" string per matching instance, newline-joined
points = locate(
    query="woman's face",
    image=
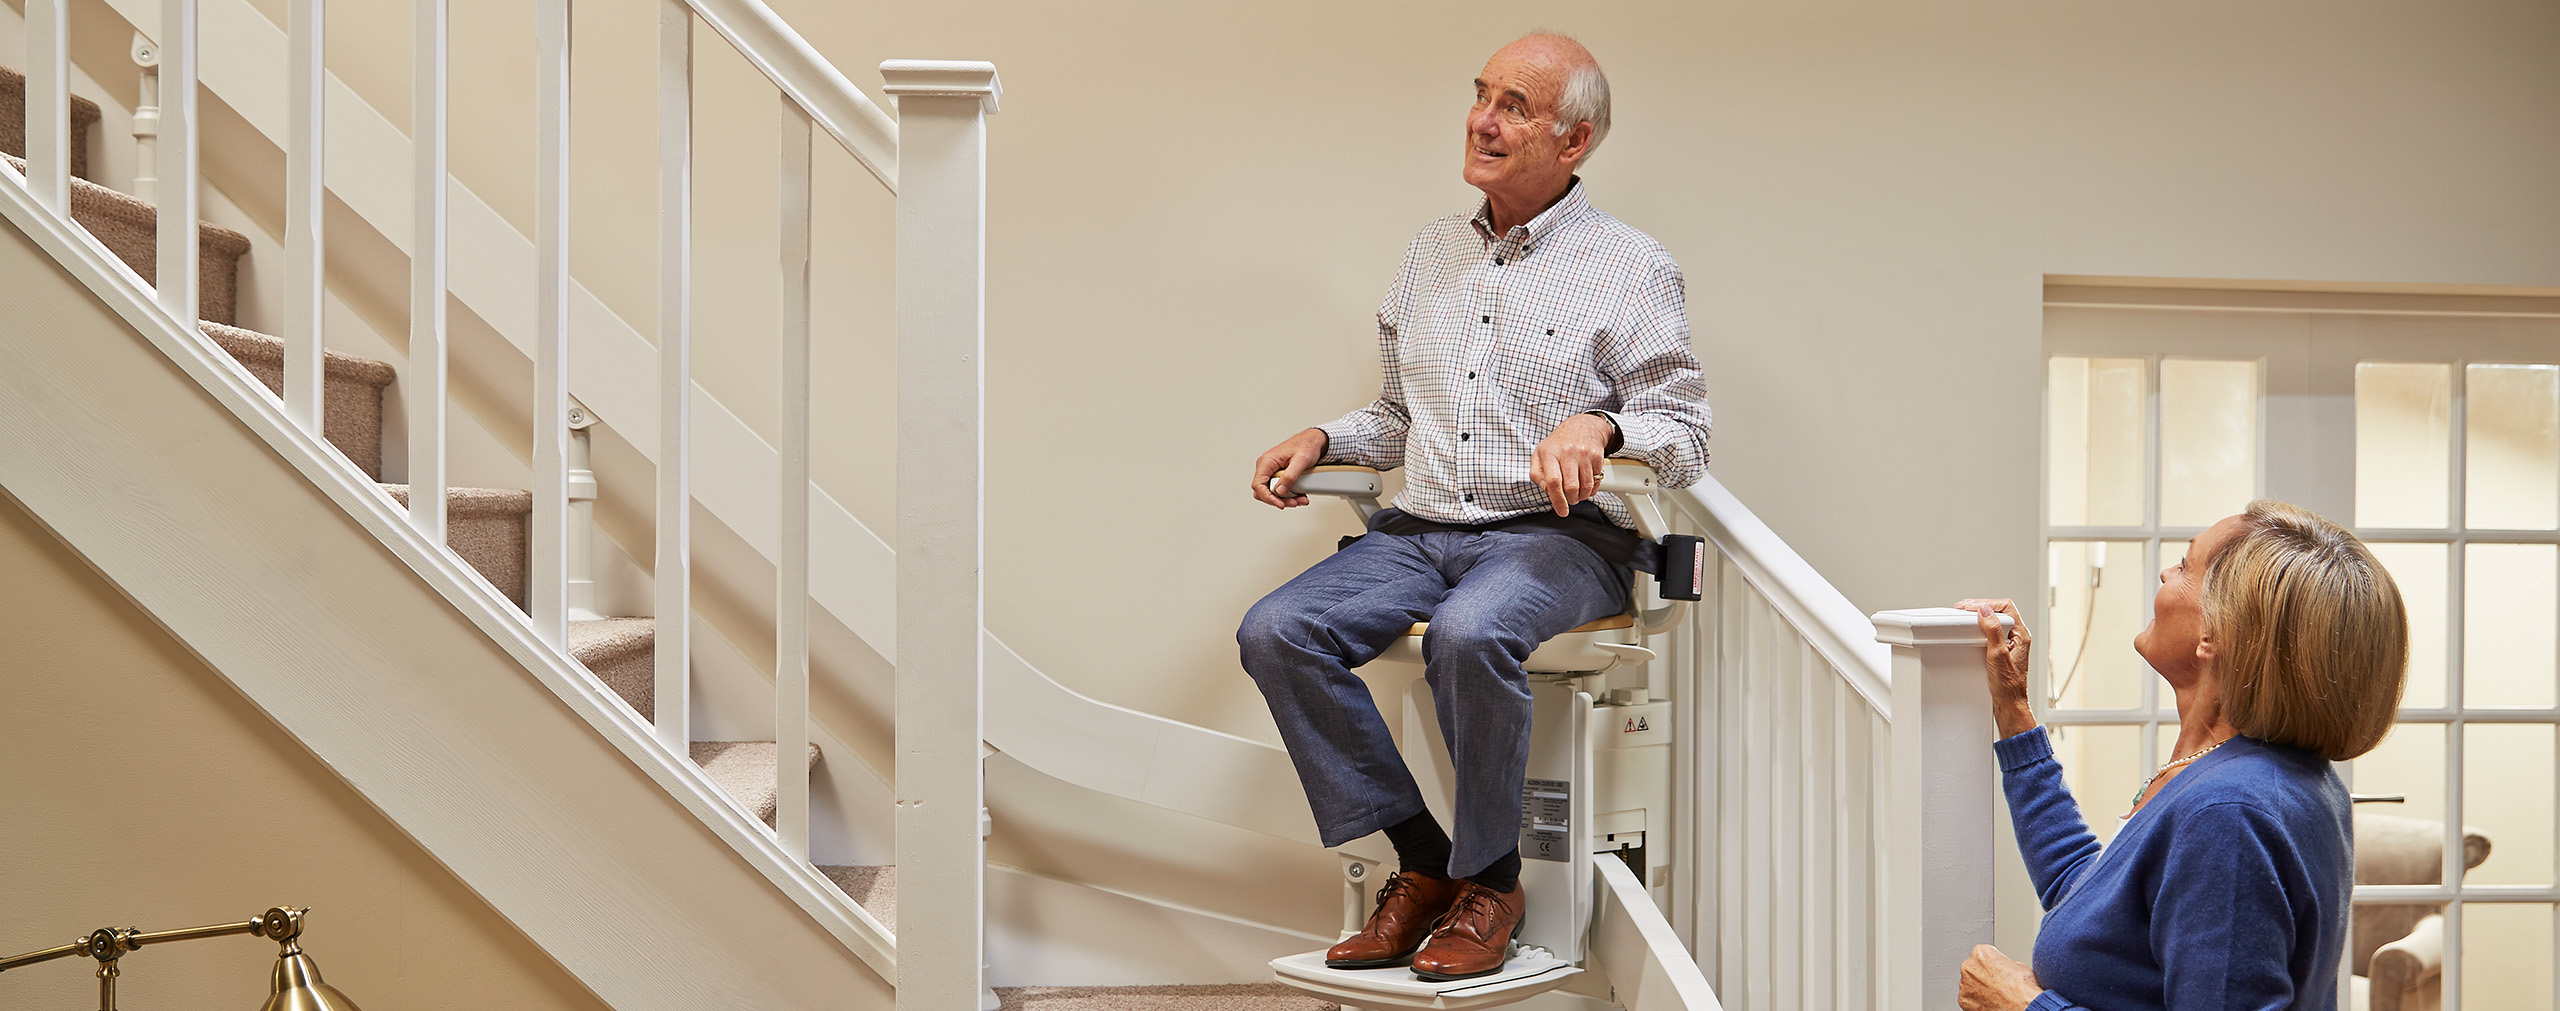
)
(2171, 642)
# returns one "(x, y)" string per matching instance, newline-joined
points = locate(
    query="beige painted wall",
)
(1193, 210)
(142, 790)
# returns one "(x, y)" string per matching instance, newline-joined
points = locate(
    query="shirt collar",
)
(1571, 206)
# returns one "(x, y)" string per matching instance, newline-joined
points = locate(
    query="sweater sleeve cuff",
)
(2049, 1000)
(2026, 749)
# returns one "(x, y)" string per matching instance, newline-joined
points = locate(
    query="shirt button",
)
(1489, 319)
(1471, 498)
(1471, 375)
(1497, 261)
(1462, 437)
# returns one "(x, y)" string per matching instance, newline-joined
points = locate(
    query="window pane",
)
(2409, 763)
(2103, 766)
(2420, 570)
(2097, 604)
(2506, 795)
(2404, 434)
(2508, 604)
(2511, 458)
(2096, 441)
(2208, 439)
(2506, 955)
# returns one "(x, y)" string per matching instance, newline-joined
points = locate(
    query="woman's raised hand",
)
(1992, 981)
(2004, 659)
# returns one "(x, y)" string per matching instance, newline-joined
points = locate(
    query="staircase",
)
(488, 528)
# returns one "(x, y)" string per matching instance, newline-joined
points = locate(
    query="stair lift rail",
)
(940, 285)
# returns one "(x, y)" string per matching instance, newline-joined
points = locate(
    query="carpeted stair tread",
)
(488, 527)
(622, 652)
(350, 390)
(875, 889)
(130, 228)
(13, 121)
(1203, 997)
(744, 770)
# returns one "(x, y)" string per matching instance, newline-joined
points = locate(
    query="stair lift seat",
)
(1595, 771)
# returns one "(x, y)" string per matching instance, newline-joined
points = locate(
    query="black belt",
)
(1615, 544)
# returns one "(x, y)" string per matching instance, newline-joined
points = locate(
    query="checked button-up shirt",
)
(1488, 342)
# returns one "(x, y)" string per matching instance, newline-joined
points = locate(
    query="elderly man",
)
(1522, 345)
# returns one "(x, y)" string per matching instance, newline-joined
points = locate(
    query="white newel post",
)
(1938, 872)
(942, 199)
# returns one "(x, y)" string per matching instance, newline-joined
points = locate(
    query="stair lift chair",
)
(1599, 777)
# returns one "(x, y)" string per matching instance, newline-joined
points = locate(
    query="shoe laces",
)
(1470, 896)
(1397, 885)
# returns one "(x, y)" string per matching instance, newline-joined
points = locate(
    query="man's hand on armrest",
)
(1285, 462)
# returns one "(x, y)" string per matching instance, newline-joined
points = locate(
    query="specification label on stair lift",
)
(1546, 819)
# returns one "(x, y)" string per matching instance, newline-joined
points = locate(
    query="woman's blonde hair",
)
(2312, 637)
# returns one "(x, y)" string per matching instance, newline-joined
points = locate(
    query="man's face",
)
(1513, 152)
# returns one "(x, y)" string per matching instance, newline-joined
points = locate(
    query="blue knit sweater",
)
(2228, 891)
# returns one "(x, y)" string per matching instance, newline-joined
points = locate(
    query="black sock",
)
(1502, 875)
(1421, 846)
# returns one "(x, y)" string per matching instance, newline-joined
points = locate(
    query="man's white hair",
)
(1586, 100)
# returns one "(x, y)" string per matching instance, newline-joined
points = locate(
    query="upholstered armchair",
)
(2399, 947)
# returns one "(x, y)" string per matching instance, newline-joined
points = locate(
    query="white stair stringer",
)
(1166, 763)
(390, 659)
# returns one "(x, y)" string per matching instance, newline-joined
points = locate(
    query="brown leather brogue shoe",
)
(1474, 938)
(1408, 904)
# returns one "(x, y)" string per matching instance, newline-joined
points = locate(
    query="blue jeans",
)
(1491, 597)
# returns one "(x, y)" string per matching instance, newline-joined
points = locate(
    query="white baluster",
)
(305, 190)
(1938, 870)
(675, 372)
(49, 105)
(550, 540)
(942, 109)
(791, 568)
(425, 376)
(174, 272)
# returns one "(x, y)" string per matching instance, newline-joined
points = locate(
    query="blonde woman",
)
(2227, 886)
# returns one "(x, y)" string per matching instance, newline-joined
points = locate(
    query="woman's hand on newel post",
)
(1995, 982)
(2004, 659)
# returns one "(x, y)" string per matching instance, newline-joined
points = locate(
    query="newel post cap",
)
(943, 79)
(1930, 626)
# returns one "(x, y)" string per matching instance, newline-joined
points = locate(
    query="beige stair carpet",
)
(350, 391)
(744, 770)
(875, 889)
(13, 121)
(622, 653)
(1209, 997)
(129, 227)
(488, 528)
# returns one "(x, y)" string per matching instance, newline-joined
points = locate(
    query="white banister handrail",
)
(1834, 626)
(812, 83)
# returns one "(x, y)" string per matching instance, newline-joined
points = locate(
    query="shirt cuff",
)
(2049, 1000)
(2026, 749)
(1341, 440)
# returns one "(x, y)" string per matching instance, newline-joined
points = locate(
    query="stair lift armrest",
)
(1351, 483)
